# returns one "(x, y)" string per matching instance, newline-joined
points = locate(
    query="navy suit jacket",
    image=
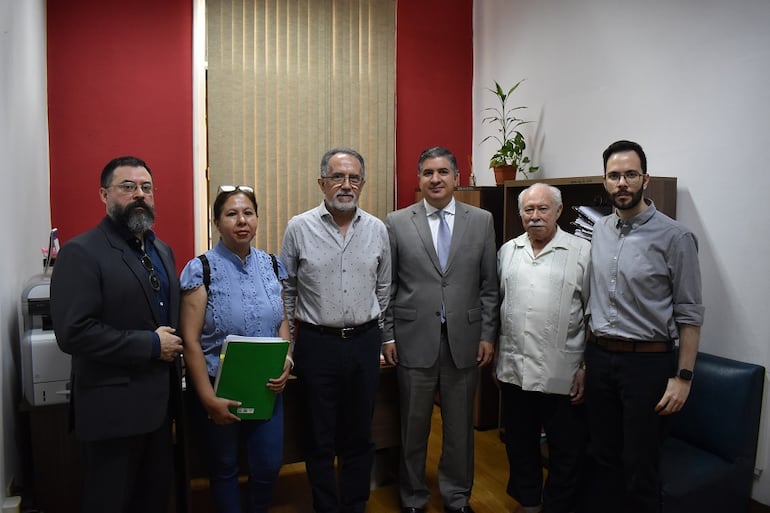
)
(104, 314)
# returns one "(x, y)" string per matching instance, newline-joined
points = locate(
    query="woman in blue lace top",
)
(243, 297)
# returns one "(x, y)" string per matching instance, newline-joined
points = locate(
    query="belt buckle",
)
(346, 332)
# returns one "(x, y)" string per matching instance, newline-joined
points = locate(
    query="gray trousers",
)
(417, 390)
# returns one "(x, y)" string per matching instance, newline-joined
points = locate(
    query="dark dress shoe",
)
(464, 509)
(412, 510)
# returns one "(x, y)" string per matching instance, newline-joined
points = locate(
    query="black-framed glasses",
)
(154, 280)
(131, 187)
(233, 188)
(339, 178)
(631, 177)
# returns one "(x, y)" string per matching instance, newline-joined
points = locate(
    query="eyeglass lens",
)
(340, 178)
(131, 187)
(631, 176)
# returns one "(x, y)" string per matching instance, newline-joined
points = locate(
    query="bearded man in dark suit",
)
(114, 306)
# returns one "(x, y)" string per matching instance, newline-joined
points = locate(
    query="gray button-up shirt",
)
(645, 277)
(334, 280)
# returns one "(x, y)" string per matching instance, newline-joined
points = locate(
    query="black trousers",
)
(339, 379)
(130, 474)
(524, 414)
(625, 431)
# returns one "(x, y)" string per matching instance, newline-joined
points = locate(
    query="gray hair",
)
(347, 151)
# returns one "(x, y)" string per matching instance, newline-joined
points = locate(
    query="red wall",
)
(434, 80)
(120, 83)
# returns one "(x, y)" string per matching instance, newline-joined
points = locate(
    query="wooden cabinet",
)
(582, 190)
(51, 455)
(488, 198)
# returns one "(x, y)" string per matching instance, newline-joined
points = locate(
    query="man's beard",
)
(137, 221)
(341, 206)
(636, 198)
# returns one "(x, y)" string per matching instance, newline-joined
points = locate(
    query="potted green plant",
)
(509, 158)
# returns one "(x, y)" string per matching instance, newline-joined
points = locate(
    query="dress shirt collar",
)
(430, 209)
(227, 254)
(635, 221)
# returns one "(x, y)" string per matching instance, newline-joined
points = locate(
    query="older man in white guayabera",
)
(544, 289)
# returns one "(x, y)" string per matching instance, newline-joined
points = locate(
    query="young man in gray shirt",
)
(645, 295)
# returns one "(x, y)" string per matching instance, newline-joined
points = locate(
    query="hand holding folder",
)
(246, 364)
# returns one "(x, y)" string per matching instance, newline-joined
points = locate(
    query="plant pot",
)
(503, 173)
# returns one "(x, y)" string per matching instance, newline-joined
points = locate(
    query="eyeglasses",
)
(130, 187)
(631, 177)
(339, 178)
(154, 281)
(233, 188)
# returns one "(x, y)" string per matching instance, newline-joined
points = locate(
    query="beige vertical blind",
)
(288, 80)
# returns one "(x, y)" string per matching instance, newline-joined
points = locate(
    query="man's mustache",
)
(138, 203)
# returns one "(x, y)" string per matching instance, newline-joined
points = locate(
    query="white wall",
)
(24, 207)
(690, 81)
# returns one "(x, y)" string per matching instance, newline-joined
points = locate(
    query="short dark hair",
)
(112, 165)
(622, 146)
(219, 201)
(347, 151)
(436, 152)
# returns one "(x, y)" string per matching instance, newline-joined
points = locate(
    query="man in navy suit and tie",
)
(441, 325)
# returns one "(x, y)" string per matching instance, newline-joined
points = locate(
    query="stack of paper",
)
(245, 365)
(587, 217)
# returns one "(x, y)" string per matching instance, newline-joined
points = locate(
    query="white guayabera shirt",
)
(543, 306)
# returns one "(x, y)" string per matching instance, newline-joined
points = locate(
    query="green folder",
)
(245, 365)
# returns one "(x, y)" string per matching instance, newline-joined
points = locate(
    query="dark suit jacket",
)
(104, 315)
(469, 286)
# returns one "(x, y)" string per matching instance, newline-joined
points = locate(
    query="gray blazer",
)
(468, 288)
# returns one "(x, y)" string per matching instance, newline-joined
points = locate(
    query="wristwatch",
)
(685, 374)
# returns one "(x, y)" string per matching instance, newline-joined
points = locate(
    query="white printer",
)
(45, 369)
